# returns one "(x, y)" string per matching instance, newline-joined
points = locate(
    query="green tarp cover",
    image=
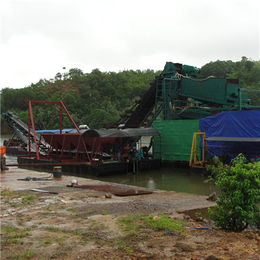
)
(176, 139)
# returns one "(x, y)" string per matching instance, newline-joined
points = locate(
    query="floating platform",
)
(82, 168)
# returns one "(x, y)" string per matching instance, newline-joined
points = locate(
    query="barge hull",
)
(87, 169)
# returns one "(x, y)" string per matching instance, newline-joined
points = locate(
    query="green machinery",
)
(175, 102)
(178, 93)
(183, 95)
(183, 98)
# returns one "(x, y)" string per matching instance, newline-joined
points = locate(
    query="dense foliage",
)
(247, 71)
(98, 98)
(95, 98)
(239, 201)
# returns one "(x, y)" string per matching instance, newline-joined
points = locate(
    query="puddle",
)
(194, 213)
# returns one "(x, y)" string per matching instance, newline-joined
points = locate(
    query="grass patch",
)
(48, 206)
(90, 211)
(7, 192)
(8, 229)
(135, 223)
(71, 208)
(45, 240)
(27, 198)
(25, 255)
(121, 244)
(76, 232)
(84, 236)
(61, 253)
(13, 235)
(52, 228)
(104, 212)
(14, 205)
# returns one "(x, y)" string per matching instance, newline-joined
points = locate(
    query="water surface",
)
(170, 178)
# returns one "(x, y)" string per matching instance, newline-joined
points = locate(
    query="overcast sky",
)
(40, 37)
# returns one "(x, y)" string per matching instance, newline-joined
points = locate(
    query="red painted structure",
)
(83, 151)
(65, 147)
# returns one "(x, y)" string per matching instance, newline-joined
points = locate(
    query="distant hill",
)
(98, 98)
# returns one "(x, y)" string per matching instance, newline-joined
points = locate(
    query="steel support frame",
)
(32, 125)
(194, 162)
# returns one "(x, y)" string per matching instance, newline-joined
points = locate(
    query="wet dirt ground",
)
(61, 222)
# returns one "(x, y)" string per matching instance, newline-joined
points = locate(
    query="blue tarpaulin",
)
(53, 131)
(233, 127)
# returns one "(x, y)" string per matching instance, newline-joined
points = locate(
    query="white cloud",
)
(39, 37)
(29, 57)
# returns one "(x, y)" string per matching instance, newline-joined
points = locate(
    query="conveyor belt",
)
(20, 128)
(138, 114)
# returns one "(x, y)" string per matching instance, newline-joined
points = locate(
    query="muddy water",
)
(172, 179)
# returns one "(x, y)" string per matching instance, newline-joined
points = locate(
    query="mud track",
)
(81, 223)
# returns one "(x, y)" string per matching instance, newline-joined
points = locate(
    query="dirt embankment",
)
(75, 223)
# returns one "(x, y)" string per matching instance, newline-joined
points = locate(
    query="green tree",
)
(83, 93)
(58, 76)
(70, 102)
(97, 118)
(246, 71)
(14, 98)
(75, 73)
(217, 68)
(238, 204)
(23, 115)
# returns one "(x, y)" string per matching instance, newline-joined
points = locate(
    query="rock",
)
(185, 247)
(205, 221)
(108, 195)
(212, 257)
(175, 215)
(199, 219)
(186, 217)
(196, 239)
(212, 196)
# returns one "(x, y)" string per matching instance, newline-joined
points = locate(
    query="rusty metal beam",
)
(31, 121)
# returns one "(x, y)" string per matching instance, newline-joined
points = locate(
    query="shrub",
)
(238, 204)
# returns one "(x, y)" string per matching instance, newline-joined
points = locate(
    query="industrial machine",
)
(177, 99)
(183, 95)
(178, 93)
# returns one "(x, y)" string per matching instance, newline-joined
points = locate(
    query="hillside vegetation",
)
(98, 98)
